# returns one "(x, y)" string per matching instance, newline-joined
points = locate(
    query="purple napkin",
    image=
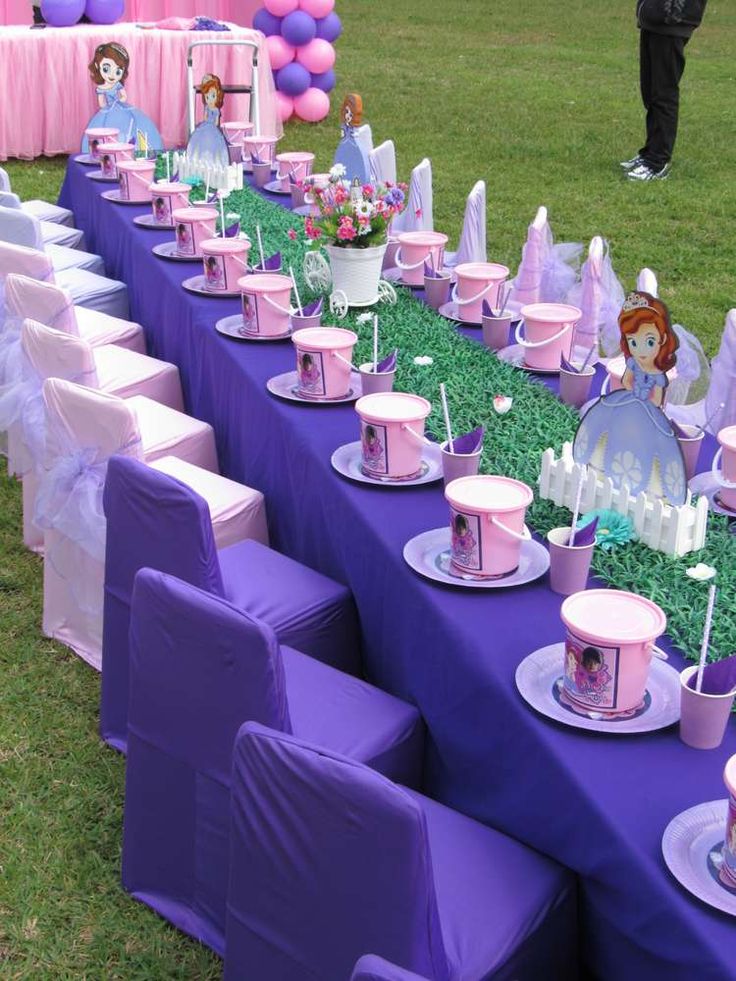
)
(255, 159)
(313, 308)
(567, 366)
(175, 177)
(270, 262)
(389, 363)
(213, 199)
(488, 310)
(469, 442)
(679, 431)
(232, 231)
(431, 273)
(718, 677)
(585, 535)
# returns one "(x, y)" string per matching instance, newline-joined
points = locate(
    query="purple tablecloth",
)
(598, 804)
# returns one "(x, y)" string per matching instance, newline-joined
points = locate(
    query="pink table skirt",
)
(49, 97)
(233, 11)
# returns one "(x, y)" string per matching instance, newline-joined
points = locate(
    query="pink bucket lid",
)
(727, 438)
(729, 775)
(322, 338)
(101, 131)
(137, 165)
(551, 313)
(194, 214)
(118, 147)
(170, 187)
(488, 492)
(422, 238)
(612, 614)
(268, 140)
(224, 246)
(264, 283)
(392, 407)
(237, 124)
(295, 157)
(481, 271)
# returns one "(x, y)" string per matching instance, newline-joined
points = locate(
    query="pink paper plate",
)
(196, 285)
(395, 275)
(148, 221)
(451, 311)
(539, 681)
(692, 846)
(347, 461)
(97, 175)
(703, 483)
(514, 355)
(114, 196)
(233, 327)
(87, 160)
(285, 387)
(274, 187)
(167, 250)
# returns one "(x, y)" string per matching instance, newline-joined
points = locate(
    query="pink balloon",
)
(312, 105)
(317, 8)
(318, 56)
(280, 8)
(284, 106)
(279, 51)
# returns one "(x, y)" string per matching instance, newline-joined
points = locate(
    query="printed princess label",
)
(591, 673)
(310, 371)
(184, 238)
(729, 847)
(162, 209)
(250, 313)
(374, 443)
(107, 165)
(466, 543)
(124, 186)
(214, 275)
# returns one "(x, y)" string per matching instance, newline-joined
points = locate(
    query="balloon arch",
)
(299, 36)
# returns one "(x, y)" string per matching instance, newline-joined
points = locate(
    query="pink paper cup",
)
(416, 248)
(690, 444)
(496, 331)
(487, 523)
(97, 135)
(392, 433)
(703, 718)
(375, 381)
(192, 226)
(728, 871)
(437, 290)
(225, 262)
(293, 166)
(261, 174)
(569, 565)
(476, 282)
(456, 465)
(111, 154)
(545, 333)
(323, 361)
(575, 386)
(726, 477)
(135, 179)
(266, 304)
(166, 198)
(609, 647)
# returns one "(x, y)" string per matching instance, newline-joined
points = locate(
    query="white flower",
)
(701, 572)
(364, 318)
(337, 171)
(365, 230)
(502, 404)
(364, 209)
(423, 359)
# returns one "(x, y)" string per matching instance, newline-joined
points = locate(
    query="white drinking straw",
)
(296, 292)
(168, 166)
(711, 417)
(576, 509)
(207, 186)
(706, 635)
(375, 343)
(222, 215)
(260, 246)
(588, 356)
(446, 413)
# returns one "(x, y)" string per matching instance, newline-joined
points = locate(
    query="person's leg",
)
(667, 63)
(645, 83)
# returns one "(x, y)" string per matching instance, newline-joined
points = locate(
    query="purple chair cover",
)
(372, 968)
(722, 389)
(158, 522)
(199, 668)
(329, 859)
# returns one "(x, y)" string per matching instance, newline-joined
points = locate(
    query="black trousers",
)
(661, 64)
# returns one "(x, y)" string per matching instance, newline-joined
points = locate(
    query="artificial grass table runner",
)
(514, 442)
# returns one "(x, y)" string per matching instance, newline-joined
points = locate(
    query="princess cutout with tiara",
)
(626, 435)
(207, 143)
(349, 152)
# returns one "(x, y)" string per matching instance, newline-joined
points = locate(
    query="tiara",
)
(637, 301)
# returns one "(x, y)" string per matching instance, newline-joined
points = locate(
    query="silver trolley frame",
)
(251, 90)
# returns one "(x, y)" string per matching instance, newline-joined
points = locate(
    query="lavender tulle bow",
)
(69, 500)
(722, 390)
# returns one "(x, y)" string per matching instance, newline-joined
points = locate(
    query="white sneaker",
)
(631, 164)
(645, 173)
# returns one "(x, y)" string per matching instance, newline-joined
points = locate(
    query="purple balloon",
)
(266, 22)
(293, 79)
(104, 11)
(62, 13)
(298, 28)
(329, 27)
(324, 80)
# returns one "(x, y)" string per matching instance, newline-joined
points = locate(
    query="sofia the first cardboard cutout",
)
(349, 153)
(207, 144)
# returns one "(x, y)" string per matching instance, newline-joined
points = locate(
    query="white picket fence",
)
(661, 526)
(221, 178)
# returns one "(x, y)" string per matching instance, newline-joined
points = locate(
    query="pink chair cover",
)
(599, 295)
(722, 388)
(382, 163)
(418, 215)
(547, 272)
(472, 247)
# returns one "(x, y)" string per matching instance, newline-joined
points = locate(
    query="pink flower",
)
(368, 190)
(340, 196)
(292, 234)
(418, 213)
(346, 233)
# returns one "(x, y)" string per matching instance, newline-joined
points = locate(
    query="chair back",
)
(472, 247)
(382, 162)
(27, 297)
(10, 200)
(31, 262)
(4, 180)
(418, 216)
(20, 228)
(54, 354)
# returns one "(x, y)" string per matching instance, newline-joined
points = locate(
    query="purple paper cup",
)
(261, 174)
(389, 256)
(375, 381)
(569, 565)
(690, 442)
(297, 196)
(703, 718)
(436, 290)
(298, 322)
(496, 331)
(575, 386)
(456, 465)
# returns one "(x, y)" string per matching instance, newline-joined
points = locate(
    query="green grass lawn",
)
(540, 99)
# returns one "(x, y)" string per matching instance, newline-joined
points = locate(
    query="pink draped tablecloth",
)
(235, 11)
(47, 96)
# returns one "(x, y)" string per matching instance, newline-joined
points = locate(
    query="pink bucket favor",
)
(193, 226)
(392, 433)
(547, 333)
(235, 133)
(293, 167)
(265, 299)
(111, 154)
(167, 197)
(135, 179)
(225, 261)
(97, 135)
(476, 282)
(608, 648)
(487, 515)
(262, 147)
(323, 361)
(728, 871)
(415, 248)
(726, 477)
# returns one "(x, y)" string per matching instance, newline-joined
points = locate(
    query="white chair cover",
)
(722, 390)
(364, 138)
(42, 210)
(646, 281)
(547, 272)
(472, 247)
(599, 295)
(20, 228)
(52, 233)
(4, 180)
(382, 162)
(418, 215)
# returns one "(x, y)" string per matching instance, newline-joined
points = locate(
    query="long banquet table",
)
(596, 803)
